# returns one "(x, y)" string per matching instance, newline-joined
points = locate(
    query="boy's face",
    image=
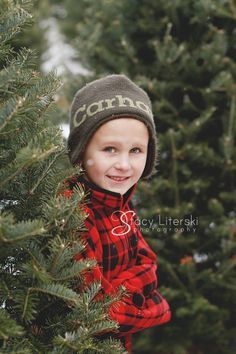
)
(115, 156)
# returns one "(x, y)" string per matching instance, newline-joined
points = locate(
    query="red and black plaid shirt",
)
(123, 258)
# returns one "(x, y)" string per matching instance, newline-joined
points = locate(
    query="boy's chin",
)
(116, 189)
(119, 189)
(112, 186)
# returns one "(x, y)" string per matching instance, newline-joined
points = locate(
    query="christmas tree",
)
(183, 54)
(41, 310)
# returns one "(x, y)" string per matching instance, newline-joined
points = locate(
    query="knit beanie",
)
(111, 97)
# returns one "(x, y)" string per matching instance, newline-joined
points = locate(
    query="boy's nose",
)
(123, 163)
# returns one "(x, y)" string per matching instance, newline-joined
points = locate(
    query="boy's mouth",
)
(117, 178)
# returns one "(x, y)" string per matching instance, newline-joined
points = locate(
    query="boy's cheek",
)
(89, 162)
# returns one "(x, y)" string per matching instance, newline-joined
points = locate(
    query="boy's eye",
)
(109, 149)
(136, 150)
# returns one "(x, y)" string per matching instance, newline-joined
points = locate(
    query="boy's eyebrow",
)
(112, 142)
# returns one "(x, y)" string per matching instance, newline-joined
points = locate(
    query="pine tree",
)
(41, 310)
(183, 54)
(33, 36)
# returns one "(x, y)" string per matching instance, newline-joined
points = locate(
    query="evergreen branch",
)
(72, 204)
(64, 209)
(77, 342)
(230, 14)
(75, 271)
(12, 22)
(111, 346)
(8, 81)
(220, 282)
(8, 111)
(11, 232)
(25, 304)
(24, 159)
(167, 104)
(197, 124)
(17, 74)
(90, 294)
(58, 247)
(8, 326)
(67, 273)
(232, 8)
(80, 342)
(229, 138)
(45, 172)
(43, 90)
(59, 291)
(28, 307)
(175, 277)
(18, 351)
(37, 259)
(63, 342)
(5, 290)
(62, 255)
(226, 268)
(175, 167)
(23, 60)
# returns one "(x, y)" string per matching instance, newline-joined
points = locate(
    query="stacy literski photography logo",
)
(162, 224)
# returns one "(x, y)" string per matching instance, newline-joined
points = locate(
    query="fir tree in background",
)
(40, 308)
(183, 53)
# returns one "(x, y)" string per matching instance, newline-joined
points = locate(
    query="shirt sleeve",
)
(132, 319)
(141, 277)
(131, 314)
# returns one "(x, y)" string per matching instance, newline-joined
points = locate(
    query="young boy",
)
(112, 135)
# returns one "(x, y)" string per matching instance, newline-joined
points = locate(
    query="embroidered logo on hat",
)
(85, 111)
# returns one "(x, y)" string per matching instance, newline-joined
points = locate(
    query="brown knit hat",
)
(111, 97)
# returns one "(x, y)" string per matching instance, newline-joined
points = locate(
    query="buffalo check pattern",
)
(123, 258)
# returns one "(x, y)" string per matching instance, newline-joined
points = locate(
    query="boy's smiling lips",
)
(118, 178)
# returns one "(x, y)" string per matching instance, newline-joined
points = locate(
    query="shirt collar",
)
(104, 197)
